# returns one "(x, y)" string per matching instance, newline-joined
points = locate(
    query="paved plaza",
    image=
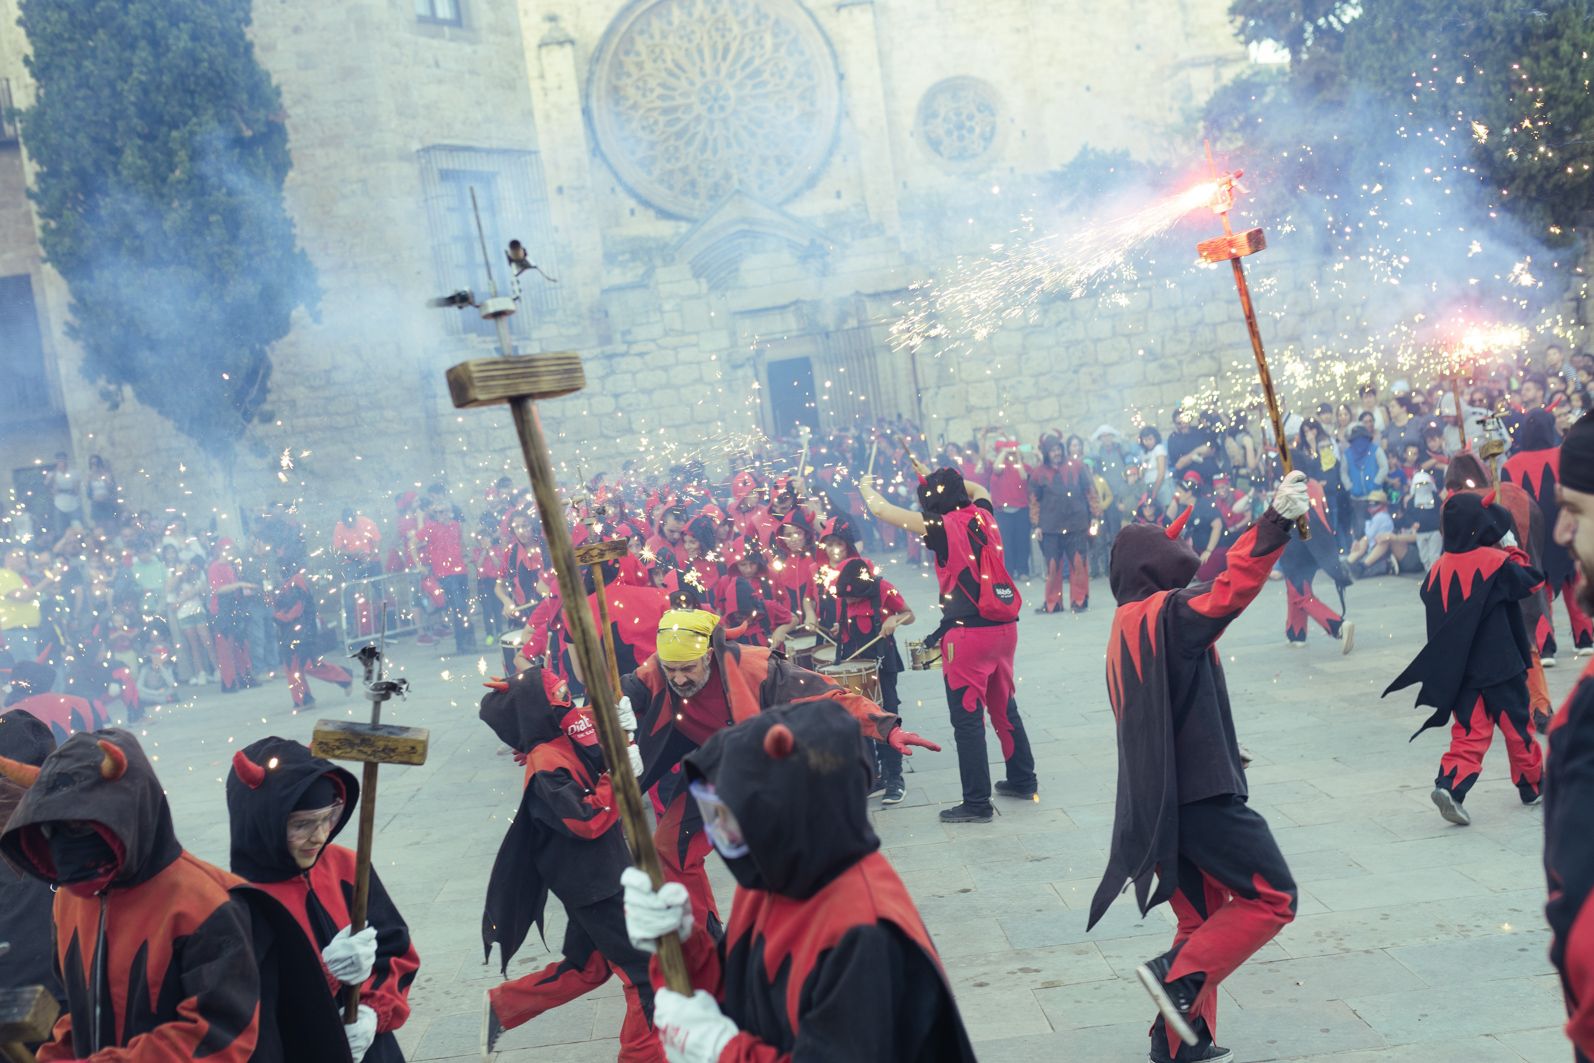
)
(1416, 940)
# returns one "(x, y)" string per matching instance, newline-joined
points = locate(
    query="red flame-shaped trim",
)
(248, 772)
(779, 742)
(114, 764)
(1176, 529)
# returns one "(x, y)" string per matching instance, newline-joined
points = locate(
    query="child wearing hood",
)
(869, 610)
(285, 807)
(859, 980)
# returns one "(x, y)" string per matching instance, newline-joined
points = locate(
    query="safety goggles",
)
(302, 826)
(719, 821)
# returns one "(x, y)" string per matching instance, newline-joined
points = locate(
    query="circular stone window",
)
(692, 100)
(959, 123)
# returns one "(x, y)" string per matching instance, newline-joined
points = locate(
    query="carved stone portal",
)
(692, 100)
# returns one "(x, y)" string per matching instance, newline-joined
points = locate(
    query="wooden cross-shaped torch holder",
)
(519, 381)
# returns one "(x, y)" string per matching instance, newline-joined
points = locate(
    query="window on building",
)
(445, 12)
(24, 386)
(512, 203)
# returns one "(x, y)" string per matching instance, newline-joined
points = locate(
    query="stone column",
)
(857, 44)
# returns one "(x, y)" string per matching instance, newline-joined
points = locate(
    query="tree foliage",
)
(161, 155)
(1501, 87)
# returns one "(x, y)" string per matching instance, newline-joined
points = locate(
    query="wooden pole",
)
(362, 874)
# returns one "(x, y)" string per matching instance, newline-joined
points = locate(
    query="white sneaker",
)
(195, 681)
(1585, 651)
(1548, 662)
(1347, 636)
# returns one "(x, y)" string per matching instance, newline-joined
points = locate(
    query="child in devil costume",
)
(826, 957)
(1569, 771)
(868, 612)
(285, 807)
(1536, 468)
(298, 633)
(1475, 664)
(1182, 817)
(565, 839)
(162, 956)
(1302, 560)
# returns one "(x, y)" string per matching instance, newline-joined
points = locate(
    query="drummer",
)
(868, 612)
(697, 683)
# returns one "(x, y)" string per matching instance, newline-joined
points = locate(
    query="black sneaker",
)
(894, 794)
(1541, 721)
(1528, 792)
(1012, 789)
(1205, 1052)
(1449, 806)
(967, 813)
(877, 788)
(492, 1029)
(1173, 999)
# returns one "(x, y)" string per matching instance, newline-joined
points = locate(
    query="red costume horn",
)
(500, 685)
(114, 764)
(1488, 500)
(24, 775)
(779, 742)
(1176, 529)
(248, 772)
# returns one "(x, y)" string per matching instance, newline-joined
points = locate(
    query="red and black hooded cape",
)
(176, 958)
(267, 779)
(25, 901)
(825, 957)
(1477, 641)
(1176, 739)
(565, 837)
(1569, 858)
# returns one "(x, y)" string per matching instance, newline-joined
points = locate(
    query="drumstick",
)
(865, 646)
(918, 466)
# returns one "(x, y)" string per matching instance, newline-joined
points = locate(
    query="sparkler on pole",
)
(1232, 247)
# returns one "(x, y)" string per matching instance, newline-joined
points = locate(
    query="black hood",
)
(267, 780)
(528, 711)
(1466, 472)
(25, 739)
(942, 492)
(804, 815)
(857, 581)
(104, 778)
(1145, 561)
(1537, 432)
(1469, 521)
(29, 678)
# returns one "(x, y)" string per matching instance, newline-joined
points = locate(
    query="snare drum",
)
(823, 656)
(800, 650)
(860, 677)
(923, 658)
(510, 643)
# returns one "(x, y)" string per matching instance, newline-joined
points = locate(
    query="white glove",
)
(350, 958)
(1291, 501)
(622, 709)
(1508, 541)
(361, 1032)
(692, 1029)
(650, 914)
(635, 756)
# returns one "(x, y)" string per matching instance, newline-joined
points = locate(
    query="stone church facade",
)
(735, 196)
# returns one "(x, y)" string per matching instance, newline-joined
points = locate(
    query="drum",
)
(510, 643)
(823, 655)
(922, 658)
(800, 649)
(860, 677)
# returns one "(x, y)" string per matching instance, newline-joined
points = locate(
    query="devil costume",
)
(1183, 832)
(825, 958)
(1475, 664)
(299, 636)
(565, 839)
(978, 634)
(162, 955)
(24, 900)
(1536, 469)
(272, 778)
(1302, 560)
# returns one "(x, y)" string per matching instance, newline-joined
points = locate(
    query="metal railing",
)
(363, 602)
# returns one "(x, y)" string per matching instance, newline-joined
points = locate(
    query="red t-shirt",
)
(440, 546)
(704, 713)
(489, 561)
(1009, 487)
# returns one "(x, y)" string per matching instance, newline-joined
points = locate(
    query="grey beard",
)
(687, 692)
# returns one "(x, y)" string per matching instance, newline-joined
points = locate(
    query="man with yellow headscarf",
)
(697, 683)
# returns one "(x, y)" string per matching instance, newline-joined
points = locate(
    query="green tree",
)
(161, 154)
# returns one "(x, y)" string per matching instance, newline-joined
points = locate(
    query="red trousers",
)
(232, 661)
(683, 846)
(1582, 626)
(595, 947)
(1065, 556)
(1235, 894)
(1462, 762)
(1303, 606)
(317, 668)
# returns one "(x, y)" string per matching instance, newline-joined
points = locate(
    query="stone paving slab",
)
(1416, 940)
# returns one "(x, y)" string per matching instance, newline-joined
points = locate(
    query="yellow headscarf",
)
(684, 634)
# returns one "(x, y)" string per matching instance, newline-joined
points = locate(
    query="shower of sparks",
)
(984, 295)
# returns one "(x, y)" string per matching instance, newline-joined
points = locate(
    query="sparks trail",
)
(981, 296)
